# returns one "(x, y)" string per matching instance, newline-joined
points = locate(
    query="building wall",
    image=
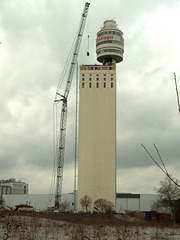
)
(147, 201)
(5, 190)
(38, 201)
(142, 203)
(20, 188)
(129, 204)
(97, 133)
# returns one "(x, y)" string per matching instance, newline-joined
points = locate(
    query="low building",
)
(11, 186)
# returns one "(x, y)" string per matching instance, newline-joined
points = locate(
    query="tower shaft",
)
(97, 133)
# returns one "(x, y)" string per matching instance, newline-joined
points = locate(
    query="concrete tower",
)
(97, 118)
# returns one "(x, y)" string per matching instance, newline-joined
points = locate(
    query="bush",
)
(103, 205)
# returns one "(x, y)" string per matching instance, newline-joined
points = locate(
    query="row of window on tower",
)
(105, 84)
(97, 75)
(119, 33)
(110, 50)
(109, 41)
(97, 79)
(98, 67)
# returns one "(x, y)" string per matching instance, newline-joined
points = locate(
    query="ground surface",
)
(65, 226)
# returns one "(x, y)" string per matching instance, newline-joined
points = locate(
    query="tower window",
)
(104, 84)
(82, 79)
(111, 84)
(104, 79)
(82, 74)
(89, 79)
(97, 84)
(111, 79)
(97, 74)
(90, 85)
(82, 84)
(97, 79)
(104, 74)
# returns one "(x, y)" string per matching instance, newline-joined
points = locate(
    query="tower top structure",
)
(110, 44)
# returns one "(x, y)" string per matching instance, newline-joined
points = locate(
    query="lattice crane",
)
(63, 121)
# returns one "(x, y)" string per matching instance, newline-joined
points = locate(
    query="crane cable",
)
(66, 65)
(53, 177)
(88, 37)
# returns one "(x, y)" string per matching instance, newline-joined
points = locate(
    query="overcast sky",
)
(36, 37)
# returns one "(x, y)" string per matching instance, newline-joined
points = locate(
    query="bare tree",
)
(104, 205)
(168, 193)
(86, 202)
(64, 205)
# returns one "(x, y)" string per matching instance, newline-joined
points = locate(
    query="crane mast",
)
(63, 121)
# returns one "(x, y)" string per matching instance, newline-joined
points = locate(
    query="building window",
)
(104, 79)
(104, 74)
(83, 75)
(82, 79)
(97, 79)
(89, 79)
(111, 84)
(82, 84)
(90, 85)
(97, 74)
(111, 79)
(104, 84)
(90, 75)
(97, 85)
(111, 74)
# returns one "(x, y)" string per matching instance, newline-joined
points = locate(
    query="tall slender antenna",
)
(76, 141)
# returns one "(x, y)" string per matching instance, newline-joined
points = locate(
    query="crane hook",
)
(88, 47)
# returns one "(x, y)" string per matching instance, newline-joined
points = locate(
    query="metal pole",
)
(76, 141)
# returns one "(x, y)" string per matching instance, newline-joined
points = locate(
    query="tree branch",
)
(161, 159)
(177, 93)
(163, 169)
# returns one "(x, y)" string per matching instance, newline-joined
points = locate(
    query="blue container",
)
(148, 216)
